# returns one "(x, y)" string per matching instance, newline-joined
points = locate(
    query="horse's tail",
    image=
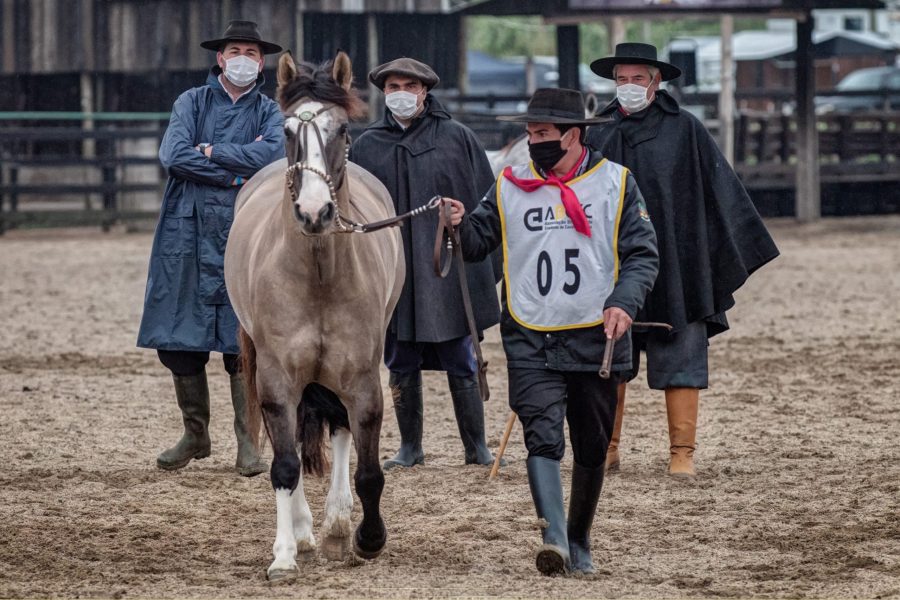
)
(248, 372)
(318, 407)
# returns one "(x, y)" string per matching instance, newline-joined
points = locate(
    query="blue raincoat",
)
(186, 306)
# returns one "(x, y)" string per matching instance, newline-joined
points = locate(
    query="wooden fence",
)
(60, 169)
(853, 148)
(76, 169)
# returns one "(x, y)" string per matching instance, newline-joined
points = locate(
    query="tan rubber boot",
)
(681, 406)
(612, 455)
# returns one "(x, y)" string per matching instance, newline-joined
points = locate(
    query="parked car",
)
(885, 81)
(507, 77)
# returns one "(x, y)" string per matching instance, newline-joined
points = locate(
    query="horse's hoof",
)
(364, 553)
(281, 575)
(336, 548)
(306, 556)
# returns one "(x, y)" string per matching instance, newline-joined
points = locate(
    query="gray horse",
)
(314, 301)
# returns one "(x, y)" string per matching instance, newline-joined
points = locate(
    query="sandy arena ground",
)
(798, 493)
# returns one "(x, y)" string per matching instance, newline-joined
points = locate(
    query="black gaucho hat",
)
(633, 53)
(242, 31)
(407, 67)
(554, 105)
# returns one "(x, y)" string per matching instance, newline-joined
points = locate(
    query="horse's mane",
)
(316, 83)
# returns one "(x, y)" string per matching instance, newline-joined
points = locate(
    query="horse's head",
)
(317, 103)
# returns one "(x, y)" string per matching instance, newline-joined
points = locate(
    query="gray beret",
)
(407, 67)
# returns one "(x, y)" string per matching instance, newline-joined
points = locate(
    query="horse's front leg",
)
(370, 536)
(280, 415)
(339, 503)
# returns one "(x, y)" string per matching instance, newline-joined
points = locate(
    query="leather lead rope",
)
(442, 266)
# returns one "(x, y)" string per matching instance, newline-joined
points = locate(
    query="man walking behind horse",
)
(418, 151)
(580, 256)
(710, 236)
(219, 135)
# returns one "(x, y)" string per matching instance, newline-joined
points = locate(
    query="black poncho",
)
(710, 235)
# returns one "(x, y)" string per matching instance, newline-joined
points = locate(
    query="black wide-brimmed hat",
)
(242, 31)
(406, 67)
(633, 53)
(554, 105)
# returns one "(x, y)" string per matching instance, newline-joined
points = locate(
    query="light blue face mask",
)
(632, 97)
(402, 104)
(241, 70)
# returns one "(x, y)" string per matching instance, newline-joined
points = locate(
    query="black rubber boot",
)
(469, 411)
(583, 498)
(546, 491)
(192, 394)
(248, 462)
(406, 389)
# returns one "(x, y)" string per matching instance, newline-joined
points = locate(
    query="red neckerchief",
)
(573, 207)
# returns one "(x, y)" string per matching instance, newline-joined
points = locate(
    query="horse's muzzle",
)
(318, 224)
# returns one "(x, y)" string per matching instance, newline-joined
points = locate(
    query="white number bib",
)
(557, 278)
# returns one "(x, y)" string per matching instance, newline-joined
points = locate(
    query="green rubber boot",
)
(192, 394)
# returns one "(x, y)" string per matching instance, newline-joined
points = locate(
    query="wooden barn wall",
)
(431, 39)
(362, 6)
(57, 36)
(773, 75)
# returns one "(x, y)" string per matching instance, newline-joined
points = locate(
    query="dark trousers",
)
(185, 363)
(543, 398)
(456, 356)
(677, 360)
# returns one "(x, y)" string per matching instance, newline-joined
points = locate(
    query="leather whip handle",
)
(606, 365)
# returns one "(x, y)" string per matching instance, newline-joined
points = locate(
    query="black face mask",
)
(546, 154)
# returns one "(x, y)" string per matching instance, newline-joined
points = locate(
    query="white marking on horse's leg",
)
(303, 521)
(284, 548)
(339, 504)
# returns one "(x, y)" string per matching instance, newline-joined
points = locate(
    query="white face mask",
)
(403, 104)
(632, 97)
(241, 70)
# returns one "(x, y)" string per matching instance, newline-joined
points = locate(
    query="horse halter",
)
(307, 120)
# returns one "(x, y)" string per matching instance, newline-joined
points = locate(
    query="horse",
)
(314, 301)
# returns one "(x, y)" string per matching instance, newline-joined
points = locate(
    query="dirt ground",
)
(798, 492)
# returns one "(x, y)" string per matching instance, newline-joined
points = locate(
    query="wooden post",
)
(462, 71)
(616, 33)
(9, 37)
(86, 84)
(8, 66)
(726, 94)
(808, 205)
(298, 50)
(88, 103)
(568, 56)
(372, 43)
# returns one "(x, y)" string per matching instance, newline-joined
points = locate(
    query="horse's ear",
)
(342, 73)
(287, 69)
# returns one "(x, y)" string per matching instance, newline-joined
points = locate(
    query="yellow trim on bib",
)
(618, 222)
